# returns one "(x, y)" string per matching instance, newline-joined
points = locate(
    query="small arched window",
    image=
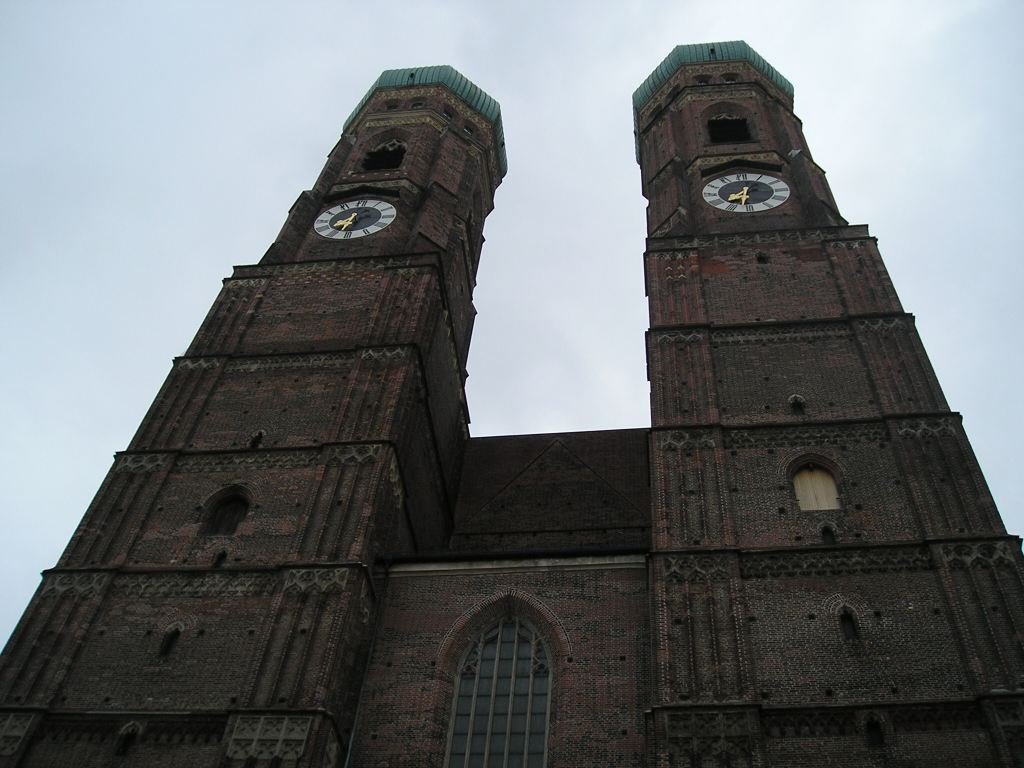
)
(225, 514)
(848, 625)
(502, 697)
(828, 535)
(126, 739)
(815, 488)
(386, 157)
(169, 640)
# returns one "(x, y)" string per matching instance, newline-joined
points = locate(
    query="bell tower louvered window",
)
(500, 718)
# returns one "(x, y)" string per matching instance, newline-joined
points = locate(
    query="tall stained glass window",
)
(502, 696)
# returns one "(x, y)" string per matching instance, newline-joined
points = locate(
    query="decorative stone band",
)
(348, 454)
(795, 437)
(198, 363)
(233, 462)
(803, 723)
(230, 584)
(258, 274)
(142, 462)
(244, 282)
(674, 255)
(790, 334)
(763, 238)
(395, 119)
(686, 441)
(316, 579)
(680, 337)
(715, 161)
(13, 727)
(730, 734)
(882, 325)
(330, 361)
(947, 717)
(927, 428)
(363, 453)
(695, 568)
(1010, 712)
(196, 584)
(809, 723)
(265, 737)
(385, 353)
(161, 727)
(995, 554)
(78, 584)
(880, 560)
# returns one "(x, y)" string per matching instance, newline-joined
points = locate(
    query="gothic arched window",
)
(225, 514)
(500, 717)
(815, 488)
(126, 738)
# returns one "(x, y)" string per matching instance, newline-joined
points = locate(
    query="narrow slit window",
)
(873, 734)
(502, 697)
(815, 488)
(170, 639)
(848, 626)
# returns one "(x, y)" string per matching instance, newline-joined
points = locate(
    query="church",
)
(304, 560)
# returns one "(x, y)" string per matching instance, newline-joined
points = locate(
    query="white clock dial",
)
(746, 192)
(356, 218)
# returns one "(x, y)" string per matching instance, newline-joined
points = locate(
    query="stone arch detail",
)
(133, 726)
(725, 107)
(237, 488)
(794, 462)
(379, 138)
(835, 603)
(126, 737)
(509, 601)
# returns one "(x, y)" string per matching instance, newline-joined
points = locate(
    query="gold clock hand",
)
(742, 196)
(346, 223)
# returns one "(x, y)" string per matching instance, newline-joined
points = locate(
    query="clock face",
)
(356, 218)
(746, 192)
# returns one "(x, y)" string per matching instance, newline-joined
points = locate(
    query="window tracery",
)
(502, 699)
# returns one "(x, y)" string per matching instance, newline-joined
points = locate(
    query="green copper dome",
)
(735, 50)
(468, 92)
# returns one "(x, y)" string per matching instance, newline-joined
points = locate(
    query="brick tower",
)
(216, 604)
(303, 560)
(830, 580)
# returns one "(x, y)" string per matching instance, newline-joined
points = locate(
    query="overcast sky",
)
(147, 147)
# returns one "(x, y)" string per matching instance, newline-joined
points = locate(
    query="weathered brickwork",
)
(561, 492)
(592, 615)
(302, 560)
(315, 427)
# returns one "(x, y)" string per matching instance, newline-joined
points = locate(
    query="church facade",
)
(304, 560)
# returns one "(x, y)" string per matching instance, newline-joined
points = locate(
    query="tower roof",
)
(462, 87)
(734, 50)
